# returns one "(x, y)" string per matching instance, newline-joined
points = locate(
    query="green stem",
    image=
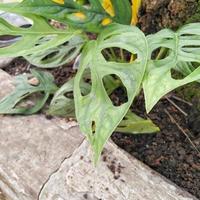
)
(122, 54)
(161, 53)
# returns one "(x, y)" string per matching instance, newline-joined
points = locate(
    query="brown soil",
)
(158, 14)
(61, 74)
(169, 152)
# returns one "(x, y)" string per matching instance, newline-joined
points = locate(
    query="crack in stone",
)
(56, 170)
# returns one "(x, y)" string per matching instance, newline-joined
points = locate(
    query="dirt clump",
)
(158, 14)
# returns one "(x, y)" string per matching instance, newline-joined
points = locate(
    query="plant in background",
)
(121, 57)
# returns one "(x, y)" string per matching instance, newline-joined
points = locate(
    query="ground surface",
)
(169, 152)
(156, 14)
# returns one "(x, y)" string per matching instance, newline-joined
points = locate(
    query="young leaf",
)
(96, 114)
(184, 46)
(9, 104)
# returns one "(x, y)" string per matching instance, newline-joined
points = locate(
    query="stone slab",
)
(118, 176)
(31, 148)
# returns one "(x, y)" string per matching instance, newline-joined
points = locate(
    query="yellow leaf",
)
(107, 5)
(59, 1)
(135, 9)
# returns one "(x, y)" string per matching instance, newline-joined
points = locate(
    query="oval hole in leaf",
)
(191, 48)
(183, 69)
(8, 40)
(119, 55)
(115, 89)
(43, 40)
(176, 75)
(159, 53)
(50, 56)
(70, 53)
(29, 100)
(93, 127)
(17, 20)
(86, 82)
(69, 95)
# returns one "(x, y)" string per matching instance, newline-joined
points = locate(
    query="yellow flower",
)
(59, 1)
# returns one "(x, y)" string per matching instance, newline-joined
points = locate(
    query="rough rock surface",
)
(31, 148)
(43, 159)
(117, 177)
(6, 84)
(4, 62)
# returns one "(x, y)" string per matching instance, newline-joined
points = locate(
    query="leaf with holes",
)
(186, 68)
(96, 114)
(62, 103)
(57, 56)
(183, 46)
(70, 13)
(38, 38)
(12, 104)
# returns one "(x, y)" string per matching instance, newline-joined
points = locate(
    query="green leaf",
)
(184, 46)
(57, 56)
(123, 11)
(40, 37)
(62, 103)
(136, 125)
(96, 114)
(63, 13)
(9, 104)
(93, 13)
(186, 68)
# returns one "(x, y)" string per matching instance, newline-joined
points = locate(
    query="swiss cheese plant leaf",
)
(37, 39)
(59, 55)
(136, 125)
(183, 46)
(44, 86)
(88, 17)
(62, 103)
(71, 12)
(96, 114)
(186, 68)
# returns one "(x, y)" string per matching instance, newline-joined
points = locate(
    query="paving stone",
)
(118, 176)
